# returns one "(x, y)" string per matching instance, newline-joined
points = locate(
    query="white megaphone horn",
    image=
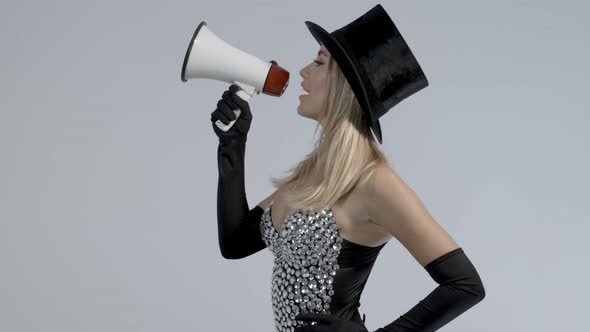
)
(209, 56)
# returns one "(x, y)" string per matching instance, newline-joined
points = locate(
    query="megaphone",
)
(209, 56)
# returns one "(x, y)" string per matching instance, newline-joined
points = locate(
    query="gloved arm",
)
(237, 225)
(459, 289)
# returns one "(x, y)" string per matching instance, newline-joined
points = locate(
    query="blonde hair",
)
(345, 141)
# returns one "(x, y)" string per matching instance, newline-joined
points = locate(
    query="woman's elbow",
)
(477, 292)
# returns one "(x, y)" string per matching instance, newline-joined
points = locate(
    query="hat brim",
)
(349, 69)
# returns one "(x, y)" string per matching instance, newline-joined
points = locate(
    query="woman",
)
(328, 220)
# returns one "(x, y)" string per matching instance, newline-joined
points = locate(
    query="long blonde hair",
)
(345, 141)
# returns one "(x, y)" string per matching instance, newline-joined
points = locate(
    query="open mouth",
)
(305, 92)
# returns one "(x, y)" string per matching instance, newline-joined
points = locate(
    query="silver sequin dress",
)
(314, 268)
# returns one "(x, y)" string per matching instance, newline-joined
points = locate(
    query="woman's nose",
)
(303, 71)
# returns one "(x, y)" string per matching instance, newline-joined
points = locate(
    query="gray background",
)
(108, 176)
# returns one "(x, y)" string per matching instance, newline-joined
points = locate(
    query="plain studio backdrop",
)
(108, 176)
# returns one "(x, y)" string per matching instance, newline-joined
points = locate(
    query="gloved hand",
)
(327, 323)
(224, 112)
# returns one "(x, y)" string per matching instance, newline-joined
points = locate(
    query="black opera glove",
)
(237, 224)
(460, 288)
(327, 323)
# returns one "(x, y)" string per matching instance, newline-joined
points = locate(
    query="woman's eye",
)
(319, 63)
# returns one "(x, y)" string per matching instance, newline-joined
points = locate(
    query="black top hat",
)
(376, 61)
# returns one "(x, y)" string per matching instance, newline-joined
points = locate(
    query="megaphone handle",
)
(245, 95)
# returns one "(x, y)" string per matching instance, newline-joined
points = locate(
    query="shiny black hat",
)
(376, 61)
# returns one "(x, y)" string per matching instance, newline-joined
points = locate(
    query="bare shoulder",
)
(396, 207)
(366, 185)
(265, 202)
(380, 174)
(383, 181)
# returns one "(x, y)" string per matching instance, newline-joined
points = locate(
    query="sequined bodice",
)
(314, 268)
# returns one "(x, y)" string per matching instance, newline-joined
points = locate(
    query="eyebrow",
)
(321, 52)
